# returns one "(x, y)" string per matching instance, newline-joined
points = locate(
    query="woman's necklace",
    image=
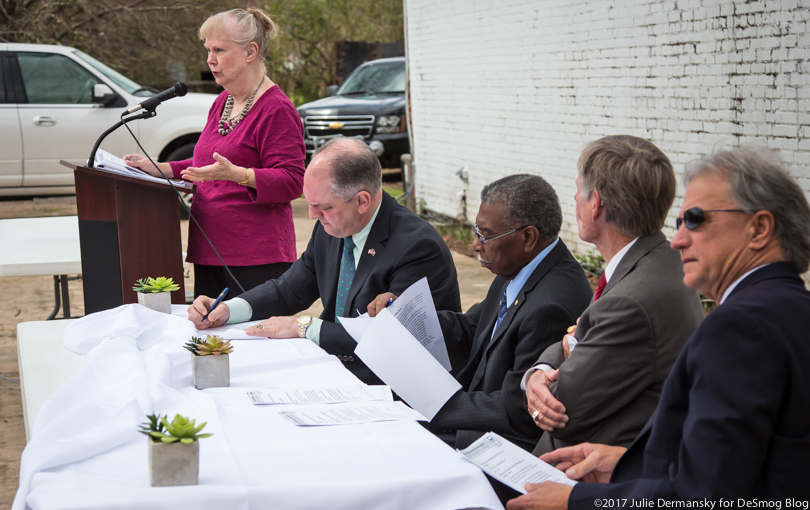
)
(226, 123)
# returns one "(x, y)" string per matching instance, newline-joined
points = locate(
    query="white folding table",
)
(42, 246)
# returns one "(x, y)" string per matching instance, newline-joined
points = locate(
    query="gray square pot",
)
(173, 463)
(157, 301)
(210, 371)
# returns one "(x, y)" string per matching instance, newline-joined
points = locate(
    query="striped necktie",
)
(600, 287)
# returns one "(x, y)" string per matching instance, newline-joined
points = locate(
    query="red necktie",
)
(600, 287)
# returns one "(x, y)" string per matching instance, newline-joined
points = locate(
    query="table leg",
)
(65, 297)
(55, 297)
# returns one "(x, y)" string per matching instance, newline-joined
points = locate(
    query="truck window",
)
(55, 79)
(384, 77)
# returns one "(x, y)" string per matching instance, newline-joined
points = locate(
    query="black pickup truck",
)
(370, 104)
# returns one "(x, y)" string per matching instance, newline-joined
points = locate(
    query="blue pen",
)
(217, 301)
(390, 300)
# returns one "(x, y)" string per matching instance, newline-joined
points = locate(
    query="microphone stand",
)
(150, 112)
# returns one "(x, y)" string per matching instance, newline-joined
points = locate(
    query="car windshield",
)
(376, 78)
(119, 79)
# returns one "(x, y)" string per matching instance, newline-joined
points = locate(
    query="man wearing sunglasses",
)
(538, 291)
(733, 423)
(625, 343)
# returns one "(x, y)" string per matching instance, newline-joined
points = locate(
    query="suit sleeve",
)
(737, 378)
(459, 331)
(502, 411)
(292, 292)
(613, 363)
(422, 257)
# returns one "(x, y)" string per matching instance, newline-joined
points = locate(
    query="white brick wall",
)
(508, 86)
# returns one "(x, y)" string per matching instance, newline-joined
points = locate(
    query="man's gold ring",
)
(535, 415)
(259, 326)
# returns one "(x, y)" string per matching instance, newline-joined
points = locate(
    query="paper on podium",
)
(511, 464)
(397, 358)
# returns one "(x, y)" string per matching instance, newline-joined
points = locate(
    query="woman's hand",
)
(221, 170)
(142, 163)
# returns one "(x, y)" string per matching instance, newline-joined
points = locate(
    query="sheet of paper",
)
(239, 334)
(415, 310)
(511, 464)
(351, 412)
(397, 358)
(356, 326)
(360, 392)
(113, 163)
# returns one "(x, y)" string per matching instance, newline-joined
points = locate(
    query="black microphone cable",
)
(188, 209)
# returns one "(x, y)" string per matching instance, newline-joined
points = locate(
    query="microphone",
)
(179, 89)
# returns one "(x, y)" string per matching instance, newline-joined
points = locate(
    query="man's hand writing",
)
(199, 308)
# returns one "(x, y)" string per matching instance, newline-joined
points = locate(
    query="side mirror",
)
(331, 90)
(102, 93)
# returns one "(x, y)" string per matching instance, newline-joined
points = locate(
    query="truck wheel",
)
(182, 152)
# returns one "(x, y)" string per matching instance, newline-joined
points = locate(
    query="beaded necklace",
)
(226, 123)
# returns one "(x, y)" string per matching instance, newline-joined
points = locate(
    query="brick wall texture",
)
(512, 86)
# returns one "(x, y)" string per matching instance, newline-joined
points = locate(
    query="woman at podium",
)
(248, 162)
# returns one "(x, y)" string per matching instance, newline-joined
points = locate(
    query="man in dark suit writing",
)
(539, 290)
(364, 244)
(733, 421)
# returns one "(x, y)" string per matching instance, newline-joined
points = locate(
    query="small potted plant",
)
(174, 452)
(154, 293)
(209, 361)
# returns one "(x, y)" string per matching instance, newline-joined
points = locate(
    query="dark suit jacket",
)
(491, 399)
(628, 341)
(400, 250)
(734, 417)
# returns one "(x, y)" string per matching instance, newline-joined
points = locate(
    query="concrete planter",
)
(157, 301)
(210, 371)
(173, 463)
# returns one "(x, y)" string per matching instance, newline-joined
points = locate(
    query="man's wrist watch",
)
(303, 323)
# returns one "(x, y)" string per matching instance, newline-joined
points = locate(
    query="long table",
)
(42, 246)
(84, 451)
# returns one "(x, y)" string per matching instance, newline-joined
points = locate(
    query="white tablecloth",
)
(85, 451)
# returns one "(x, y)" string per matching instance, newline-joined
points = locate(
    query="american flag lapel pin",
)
(372, 251)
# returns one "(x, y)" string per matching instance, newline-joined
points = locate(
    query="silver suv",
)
(54, 103)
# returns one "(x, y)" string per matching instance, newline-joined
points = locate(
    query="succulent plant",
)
(180, 429)
(154, 285)
(212, 345)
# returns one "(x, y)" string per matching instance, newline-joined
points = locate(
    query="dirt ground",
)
(25, 299)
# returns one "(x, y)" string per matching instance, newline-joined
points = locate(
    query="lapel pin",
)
(516, 301)
(372, 251)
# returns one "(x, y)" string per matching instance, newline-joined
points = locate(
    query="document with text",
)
(112, 163)
(403, 363)
(351, 412)
(357, 393)
(511, 464)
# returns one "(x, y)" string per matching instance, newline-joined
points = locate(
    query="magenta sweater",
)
(249, 226)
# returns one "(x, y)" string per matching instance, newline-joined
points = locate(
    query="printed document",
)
(511, 464)
(351, 412)
(112, 163)
(403, 363)
(359, 392)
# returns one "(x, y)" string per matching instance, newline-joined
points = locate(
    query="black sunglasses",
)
(693, 217)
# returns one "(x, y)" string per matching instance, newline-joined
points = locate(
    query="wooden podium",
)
(129, 228)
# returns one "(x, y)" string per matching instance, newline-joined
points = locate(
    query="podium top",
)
(146, 180)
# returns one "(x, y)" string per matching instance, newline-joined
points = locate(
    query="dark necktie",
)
(502, 309)
(346, 276)
(600, 287)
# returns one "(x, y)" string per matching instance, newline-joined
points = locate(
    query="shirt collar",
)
(737, 282)
(361, 237)
(614, 262)
(516, 285)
